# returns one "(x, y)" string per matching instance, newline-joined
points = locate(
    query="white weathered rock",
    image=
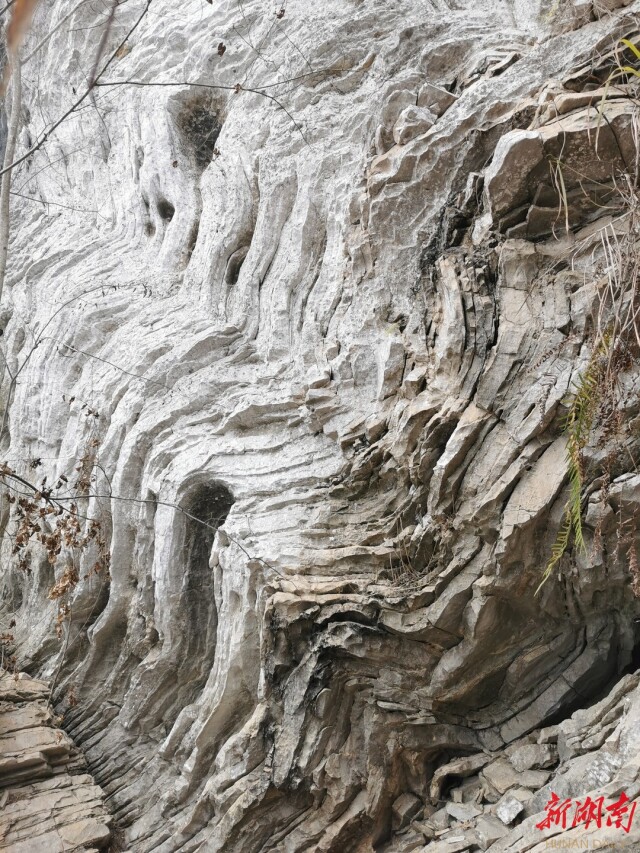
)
(412, 121)
(489, 829)
(253, 305)
(463, 811)
(533, 757)
(501, 775)
(508, 809)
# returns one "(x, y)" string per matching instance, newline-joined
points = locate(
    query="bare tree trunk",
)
(9, 153)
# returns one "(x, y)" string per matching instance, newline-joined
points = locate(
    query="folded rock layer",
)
(296, 302)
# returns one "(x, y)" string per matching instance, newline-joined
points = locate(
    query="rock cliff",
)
(296, 301)
(47, 800)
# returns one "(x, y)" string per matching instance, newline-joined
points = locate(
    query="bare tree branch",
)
(237, 88)
(106, 31)
(54, 203)
(44, 136)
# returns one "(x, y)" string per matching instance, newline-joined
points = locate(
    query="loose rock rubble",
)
(48, 801)
(493, 801)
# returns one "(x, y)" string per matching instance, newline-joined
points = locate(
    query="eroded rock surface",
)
(333, 307)
(48, 801)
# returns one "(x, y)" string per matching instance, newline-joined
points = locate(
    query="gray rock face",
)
(533, 756)
(332, 307)
(47, 802)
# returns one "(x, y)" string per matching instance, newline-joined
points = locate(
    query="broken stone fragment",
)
(505, 180)
(501, 775)
(469, 792)
(375, 427)
(548, 735)
(508, 809)
(435, 99)
(412, 121)
(463, 811)
(456, 842)
(318, 377)
(506, 806)
(391, 361)
(439, 820)
(404, 809)
(489, 829)
(408, 842)
(517, 182)
(534, 757)
(413, 382)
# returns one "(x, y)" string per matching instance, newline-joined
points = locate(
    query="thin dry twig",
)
(90, 87)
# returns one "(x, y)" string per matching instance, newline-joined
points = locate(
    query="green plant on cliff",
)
(621, 73)
(595, 405)
(623, 70)
(578, 424)
(598, 404)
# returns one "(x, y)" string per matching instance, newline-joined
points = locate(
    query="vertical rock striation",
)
(321, 277)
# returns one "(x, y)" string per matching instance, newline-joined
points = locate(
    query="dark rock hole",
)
(166, 210)
(234, 265)
(193, 238)
(200, 125)
(208, 507)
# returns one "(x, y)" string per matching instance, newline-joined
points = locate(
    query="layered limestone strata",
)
(48, 801)
(331, 306)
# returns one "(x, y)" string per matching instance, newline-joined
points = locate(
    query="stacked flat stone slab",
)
(47, 802)
(592, 753)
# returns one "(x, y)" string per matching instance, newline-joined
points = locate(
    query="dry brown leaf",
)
(123, 50)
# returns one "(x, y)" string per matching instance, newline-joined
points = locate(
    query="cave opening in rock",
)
(207, 508)
(193, 238)
(634, 655)
(234, 265)
(200, 124)
(166, 210)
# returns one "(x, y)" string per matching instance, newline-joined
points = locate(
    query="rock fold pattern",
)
(300, 294)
